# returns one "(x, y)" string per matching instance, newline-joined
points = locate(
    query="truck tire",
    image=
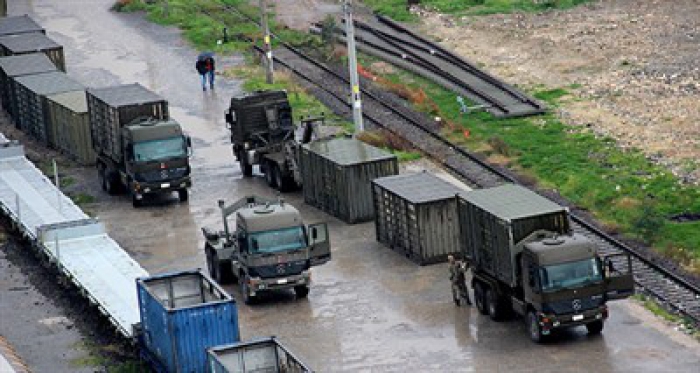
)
(183, 195)
(595, 327)
(246, 167)
(282, 182)
(269, 174)
(220, 272)
(494, 305)
(533, 327)
(108, 183)
(136, 202)
(301, 291)
(479, 298)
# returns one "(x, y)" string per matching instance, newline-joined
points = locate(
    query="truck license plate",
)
(282, 281)
(577, 317)
(165, 185)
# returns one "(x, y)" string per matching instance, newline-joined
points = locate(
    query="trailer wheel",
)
(533, 327)
(246, 167)
(595, 327)
(183, 195)
(301, 291)
(283, 183)
(479, 298)
(494, 304)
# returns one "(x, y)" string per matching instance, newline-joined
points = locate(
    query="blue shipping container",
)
(182, 315)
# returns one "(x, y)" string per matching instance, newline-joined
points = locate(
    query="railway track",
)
(394, 43)
(384, 110)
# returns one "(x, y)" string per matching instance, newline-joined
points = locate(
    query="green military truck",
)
(525, 258)
(139, 148)
(263, 133)
(270, 247)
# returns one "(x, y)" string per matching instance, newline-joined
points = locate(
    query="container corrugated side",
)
(260, 355)
(178, 336)
(70, 125)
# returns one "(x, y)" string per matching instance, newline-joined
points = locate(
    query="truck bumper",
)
(279, 283)
(141, 189)
(550, 322)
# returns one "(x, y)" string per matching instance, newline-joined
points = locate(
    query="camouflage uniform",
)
(457, 271)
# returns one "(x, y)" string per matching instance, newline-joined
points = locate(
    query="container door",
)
(319, 244)
(619, 282)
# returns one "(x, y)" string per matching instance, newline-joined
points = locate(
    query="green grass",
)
(622, 189)
(661, 312)
(82, 199)
(396, 9)
(405, 156)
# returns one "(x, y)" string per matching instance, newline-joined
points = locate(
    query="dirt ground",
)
(631, 66)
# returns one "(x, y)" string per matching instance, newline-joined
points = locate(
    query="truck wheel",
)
(136, 202)
(108, 184)
(283, 183)
(183, 195)
(595, 327)
(533, 327)
(494, 305)
(269, 176)
(479, 298)
(246, 167)
(301, 291)
(245, 291)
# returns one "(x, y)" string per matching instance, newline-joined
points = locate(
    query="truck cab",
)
(156, 159)
(566, 283)
(270, 248)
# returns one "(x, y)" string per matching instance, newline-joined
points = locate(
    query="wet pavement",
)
(369, 309)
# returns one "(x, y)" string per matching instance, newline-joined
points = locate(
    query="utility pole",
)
(352, 59)
(269, 75)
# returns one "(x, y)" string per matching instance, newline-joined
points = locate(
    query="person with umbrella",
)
(205, 67)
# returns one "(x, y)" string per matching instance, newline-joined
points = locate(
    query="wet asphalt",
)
(369, 309)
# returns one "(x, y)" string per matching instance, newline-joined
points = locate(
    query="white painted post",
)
(352, 60)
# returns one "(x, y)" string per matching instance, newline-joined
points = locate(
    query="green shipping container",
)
(70, 125)
(15, 66)
(14, 45)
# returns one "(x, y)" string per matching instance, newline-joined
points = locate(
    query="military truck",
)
(139, 148)
(270, 247)
(263, 133)
(525, 258)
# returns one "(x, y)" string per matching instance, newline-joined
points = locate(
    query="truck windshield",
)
(277, 240)
(570, 275)
(155, 150)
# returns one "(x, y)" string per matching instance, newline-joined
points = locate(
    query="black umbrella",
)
(204, 55)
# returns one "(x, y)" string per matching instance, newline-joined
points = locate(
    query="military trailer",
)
(32, 103)
(13, 45)
(525, 258)
(138, 147)
(16, 25)
(417, 216)
(261, 355)
(270, 247)
(15, 66)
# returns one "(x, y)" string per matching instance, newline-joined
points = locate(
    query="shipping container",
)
(14, 66)
(337, 175)
(70, 124)
(182, 315)
(18, 24)
(257, 111)
(266, 355)
(493, 220)
(112, 108)
(417, 216)
(14, 45)
(32, 105)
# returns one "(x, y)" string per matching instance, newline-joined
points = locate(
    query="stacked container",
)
(13, 45)
(417, 216)
(262, 355)
(336, 176)
(112, 108)
(70, 124)
(32, 104)
(182, 315)
(18, 25)
(16, 66)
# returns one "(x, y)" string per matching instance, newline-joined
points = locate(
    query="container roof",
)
(49, 83)
(420, 187)
(76, 101)
(125, 95)
(24, 43)
(18, 25)
(348, 152)
(26, 64)
(511, 202)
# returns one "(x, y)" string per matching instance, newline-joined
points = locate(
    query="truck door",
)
(619, 282)
(319, 244)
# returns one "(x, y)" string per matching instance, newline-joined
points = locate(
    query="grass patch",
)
(685, 324)
(82, 199)
(397, 10)
(622, 189)
(98, 357)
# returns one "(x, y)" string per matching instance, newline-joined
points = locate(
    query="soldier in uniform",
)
(458, 269)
